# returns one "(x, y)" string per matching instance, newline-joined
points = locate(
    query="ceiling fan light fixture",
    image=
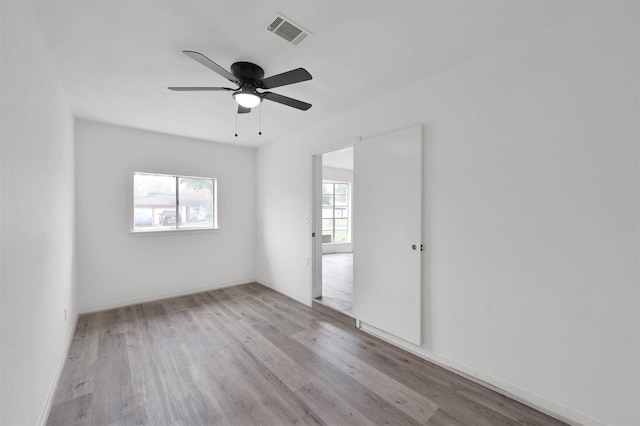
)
(247, 100)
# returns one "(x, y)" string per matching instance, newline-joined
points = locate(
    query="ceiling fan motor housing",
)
(247, 72)
(249, 76)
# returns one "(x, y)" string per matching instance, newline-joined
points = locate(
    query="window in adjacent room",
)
(171, 202)
(335, 212)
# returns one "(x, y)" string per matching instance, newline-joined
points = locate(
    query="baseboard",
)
(42, 421)
(517, 393)
(332, 248)
(500, 386)
(161, 296)
(298, 298)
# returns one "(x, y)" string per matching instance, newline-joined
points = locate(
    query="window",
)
(335, 212)
(170, 202)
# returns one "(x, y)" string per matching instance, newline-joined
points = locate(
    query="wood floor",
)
(337, 282)
(249, 356)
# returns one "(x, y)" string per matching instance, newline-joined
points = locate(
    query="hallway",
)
(337, 282)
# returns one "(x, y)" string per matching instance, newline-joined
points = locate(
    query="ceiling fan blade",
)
(289, 77)
(286, 101)
(197, 89)
(243, 110)
(197, 56)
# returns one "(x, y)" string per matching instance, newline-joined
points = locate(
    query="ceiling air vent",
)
(287, 29)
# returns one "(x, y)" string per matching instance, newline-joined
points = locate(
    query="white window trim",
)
(166, 231)
(349, 200)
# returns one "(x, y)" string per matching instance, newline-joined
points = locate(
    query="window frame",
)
(176, 176)
(333, 219)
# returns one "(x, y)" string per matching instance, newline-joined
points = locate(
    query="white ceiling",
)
(116, 58)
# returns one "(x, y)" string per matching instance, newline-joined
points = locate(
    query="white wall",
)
(117, 267)
(338, 175)
(531, 189)
(37, 211)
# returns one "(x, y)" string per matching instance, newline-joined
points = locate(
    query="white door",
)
(387, 215)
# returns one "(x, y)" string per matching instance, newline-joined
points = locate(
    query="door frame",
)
(316, 212)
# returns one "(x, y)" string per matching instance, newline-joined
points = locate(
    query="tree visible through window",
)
(335, 212)
(169, 202)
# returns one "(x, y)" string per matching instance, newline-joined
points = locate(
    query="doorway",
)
(384, 268)
(334, 188)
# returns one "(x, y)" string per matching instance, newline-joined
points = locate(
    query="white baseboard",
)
(42, 421)
(507, 389)
(517, 393)
(298, 298)
(337, 248)
(161, 296)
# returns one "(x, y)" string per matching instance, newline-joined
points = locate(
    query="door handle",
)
(413, 247)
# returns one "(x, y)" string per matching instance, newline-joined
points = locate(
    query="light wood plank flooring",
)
(337, 282)
(249, 356)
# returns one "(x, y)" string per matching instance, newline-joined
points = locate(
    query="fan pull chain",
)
(260, 120)
(236, 123)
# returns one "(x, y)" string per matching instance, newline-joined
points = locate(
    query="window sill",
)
(156, 232)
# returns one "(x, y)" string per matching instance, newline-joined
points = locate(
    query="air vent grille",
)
(287, 29)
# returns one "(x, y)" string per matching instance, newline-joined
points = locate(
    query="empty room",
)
(320, 212)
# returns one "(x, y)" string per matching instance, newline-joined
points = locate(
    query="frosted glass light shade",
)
(247, 100)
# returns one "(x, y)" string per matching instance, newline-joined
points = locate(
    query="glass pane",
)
(327, 200)
(341, 200)
(142, 218)
(341, 212)
(327, 237)
(342, 188)
(196, 203)
(341, 224)
(327, 224)
(154, 201)
(327, 213)
(341, 236)
(327, 188)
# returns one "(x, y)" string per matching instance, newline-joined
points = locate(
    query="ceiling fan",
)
(250, 77)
